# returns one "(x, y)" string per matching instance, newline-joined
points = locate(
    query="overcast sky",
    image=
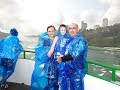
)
(33, 16)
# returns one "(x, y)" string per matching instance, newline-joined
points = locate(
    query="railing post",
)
(87, 67)
(24, 55)
(113, 74)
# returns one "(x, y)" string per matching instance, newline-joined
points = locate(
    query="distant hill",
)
(104, 36)
(2, 34)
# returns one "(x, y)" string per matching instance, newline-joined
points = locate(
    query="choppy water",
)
(107, 55)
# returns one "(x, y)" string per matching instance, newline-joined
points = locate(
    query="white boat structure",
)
(24, 68)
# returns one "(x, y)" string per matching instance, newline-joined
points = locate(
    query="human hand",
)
(49, 53)
(59, 60)
(55, 39)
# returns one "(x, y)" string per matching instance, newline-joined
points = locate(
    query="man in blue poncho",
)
(10, 50)
(40, 78)
(75, 60)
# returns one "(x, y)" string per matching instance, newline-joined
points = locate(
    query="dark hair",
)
(13, 32)
(50, 27)
(63, 25)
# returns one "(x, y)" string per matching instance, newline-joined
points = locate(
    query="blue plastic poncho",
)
(1, 45)
(61, 50)
(52, 69)
(39, 77)
(10, 50)
(11, 47)
(74, 70)
(1, 67)
(42, 48)
(62, 43)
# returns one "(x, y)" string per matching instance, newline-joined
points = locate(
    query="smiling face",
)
(73, 29)
(51, 32)
(63, 30)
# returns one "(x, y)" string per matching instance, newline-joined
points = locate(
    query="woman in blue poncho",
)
(58, 48)
(75, 61)
(10, 50)
(40, 80)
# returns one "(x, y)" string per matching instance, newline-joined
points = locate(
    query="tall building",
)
(83, 25)
(105, 22)
(96, 26)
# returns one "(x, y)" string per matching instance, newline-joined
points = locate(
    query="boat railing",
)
(113, 70)
(89, 70)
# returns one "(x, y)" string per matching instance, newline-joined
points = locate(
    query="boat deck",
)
(23, 72)
(17, 86)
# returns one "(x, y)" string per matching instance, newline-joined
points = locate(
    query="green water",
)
(106, 55)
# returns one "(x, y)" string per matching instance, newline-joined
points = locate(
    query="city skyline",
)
(33, 16)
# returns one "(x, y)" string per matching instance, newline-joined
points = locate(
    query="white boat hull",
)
(24, 69)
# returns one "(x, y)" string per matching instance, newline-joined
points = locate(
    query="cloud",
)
(110, 10)
(9, 14)
(33, 16)
(112, 13)
(115, 3)
(29, 16)
(91, 17)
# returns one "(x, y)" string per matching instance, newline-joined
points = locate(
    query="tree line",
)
(104, 36)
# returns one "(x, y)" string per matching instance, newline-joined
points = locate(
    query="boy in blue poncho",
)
(75, 60)
(10, 50)
(58, 48)
(40, 79)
